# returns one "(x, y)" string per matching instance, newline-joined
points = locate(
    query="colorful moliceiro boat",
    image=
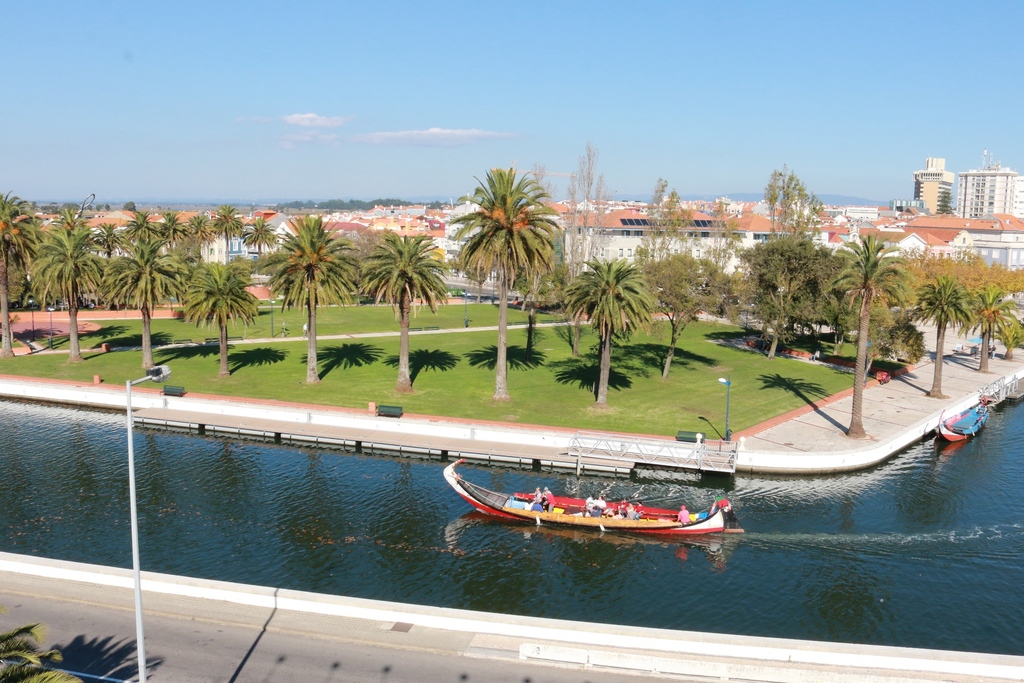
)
(569, 512)
(966, 423)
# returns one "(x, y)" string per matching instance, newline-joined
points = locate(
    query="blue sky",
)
(265, 100)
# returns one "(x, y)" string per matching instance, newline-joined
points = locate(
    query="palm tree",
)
(227, 225)
(614, 297)
(174, 230)
(215, 295)
(400, 271)
(510, 230)
(143, 279)
(69, 219)
(942, 303)
(18, 238)
(312, 269)
(260, 235)
(990, 311)
(141, 229)
(871, 271)
(21, 660)
(65, 267)
(1011, 335)
(107, 239)
(200, 229)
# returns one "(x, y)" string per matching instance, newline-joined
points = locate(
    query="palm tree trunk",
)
(7, 350)
(606, 368)
(312, 375)
(147, 344)
(224, 372)
(576, 338)
(531, 324)
(856, 430)
(76, 350)
(404, 383)
(985, 334)
(674, 324)
(501, 367)
(940, 348)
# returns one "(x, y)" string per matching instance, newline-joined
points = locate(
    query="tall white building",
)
(930, 182)
(987, 191)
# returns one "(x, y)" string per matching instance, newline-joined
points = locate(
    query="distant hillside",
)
(350, 204)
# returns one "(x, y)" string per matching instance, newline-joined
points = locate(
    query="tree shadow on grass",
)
(259, 356)
(426, 359)
(653, 356)
(188, 352)
(585, 373)
(727, 334)
(806, 391)
(353, 355)
(106, 657)
(155, 338)
(518, 358)
(107, 333)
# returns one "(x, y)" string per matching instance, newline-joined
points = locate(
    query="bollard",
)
(96, 379)
(371, 407)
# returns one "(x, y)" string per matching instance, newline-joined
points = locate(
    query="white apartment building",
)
(930, 181)
(986, 192)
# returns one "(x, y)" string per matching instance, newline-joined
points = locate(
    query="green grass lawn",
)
(454, 376)
(330, 321)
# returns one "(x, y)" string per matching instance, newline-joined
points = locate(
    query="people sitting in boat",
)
(548, 500)
(537, 496)
(600, 504)
(632, 512)
(590, 506)
(536, 507)
(721, 503)
(684, 515)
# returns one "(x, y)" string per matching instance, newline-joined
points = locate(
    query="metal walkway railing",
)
(696, 456)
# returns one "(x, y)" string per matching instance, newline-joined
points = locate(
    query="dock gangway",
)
(631, 450)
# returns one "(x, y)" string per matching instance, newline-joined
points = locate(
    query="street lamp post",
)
(32, 310)
(158, 374)
(465, 308)
(271, 318)
(50, 311)
(728, 388)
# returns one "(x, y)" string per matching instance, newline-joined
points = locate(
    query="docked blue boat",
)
(964, 424)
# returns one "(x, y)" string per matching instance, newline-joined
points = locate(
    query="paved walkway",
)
(889, 409)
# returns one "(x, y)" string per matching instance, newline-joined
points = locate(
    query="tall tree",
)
(260, 235)
(990, 310)
(401, 271)
(310, 270)
(143, 279)
(613, 296)
(217, 295)
(677, 284)
(174, 230)
(108, 239)
(584, 238)
(1011, 335)
(666, 234)
(141, 229)
(227, 224)
(792, 208)
(786, 278)
(201, 233)
(69, 219)
(942, 302)
(945, 203)
(23, 661)
(872, 272)
(510, 229)
(66, 267)
(18, 239)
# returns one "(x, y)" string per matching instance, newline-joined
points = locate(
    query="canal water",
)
(926, 550)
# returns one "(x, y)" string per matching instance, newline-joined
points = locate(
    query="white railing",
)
(633, 450)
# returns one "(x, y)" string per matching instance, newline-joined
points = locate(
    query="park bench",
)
(389, 411)
(181, 341)
(171, 390)
(431, 328)
(689, 437)
(216, 340)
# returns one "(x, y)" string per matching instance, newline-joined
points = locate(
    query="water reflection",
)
(890, 555)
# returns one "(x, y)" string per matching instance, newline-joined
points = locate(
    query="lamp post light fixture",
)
(158, 374)
(728, 388)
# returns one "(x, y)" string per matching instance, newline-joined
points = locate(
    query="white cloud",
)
(311, 137)
(315, 120)
(431, 137)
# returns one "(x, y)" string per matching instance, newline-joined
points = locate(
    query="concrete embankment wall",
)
(570, 642)
(754, 461)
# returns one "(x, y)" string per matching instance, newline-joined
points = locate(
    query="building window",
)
(620, 253)
(629, 253)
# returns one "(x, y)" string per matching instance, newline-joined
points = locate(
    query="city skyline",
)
(200, 102)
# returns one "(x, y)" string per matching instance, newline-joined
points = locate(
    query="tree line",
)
(787, 286)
